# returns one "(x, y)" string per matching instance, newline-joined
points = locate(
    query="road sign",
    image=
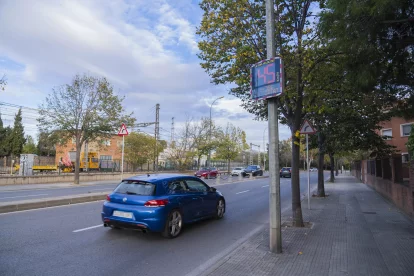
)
(123, 130)
(266, 79)
(307, 128)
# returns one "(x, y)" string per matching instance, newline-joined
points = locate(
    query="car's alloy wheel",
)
(174, 225)
(221, 207)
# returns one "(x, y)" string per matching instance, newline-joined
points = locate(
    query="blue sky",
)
(147, 49)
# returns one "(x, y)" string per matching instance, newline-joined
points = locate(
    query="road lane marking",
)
(265, 186)
(87, 228)
(242, 192)
(23, 196)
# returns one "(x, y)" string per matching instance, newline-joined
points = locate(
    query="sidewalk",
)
(355, 232)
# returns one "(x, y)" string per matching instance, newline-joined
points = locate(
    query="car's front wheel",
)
(220, 209)
(173, 225)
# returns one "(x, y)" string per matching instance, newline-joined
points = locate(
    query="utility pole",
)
(251, 155)
(275, 233)
(157, 134)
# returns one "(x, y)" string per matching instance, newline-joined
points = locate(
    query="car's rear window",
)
(237, 169)
(135, 187)
(285, 169)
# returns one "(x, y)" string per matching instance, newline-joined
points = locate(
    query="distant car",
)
(253, 170)
(161, 203)
(313, 169)
(237, 171)
(207, 173)
(286, 172)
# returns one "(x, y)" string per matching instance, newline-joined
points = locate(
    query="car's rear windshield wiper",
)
(130, 193)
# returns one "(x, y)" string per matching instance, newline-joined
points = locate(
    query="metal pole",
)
(122, 161)
(307, 161)
(272, 106)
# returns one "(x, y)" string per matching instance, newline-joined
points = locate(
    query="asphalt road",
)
(33, 192)
(70, 240)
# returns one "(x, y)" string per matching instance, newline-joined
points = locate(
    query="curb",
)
(38, 204)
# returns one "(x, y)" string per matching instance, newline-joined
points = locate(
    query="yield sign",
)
(123, 130)
(307, 128)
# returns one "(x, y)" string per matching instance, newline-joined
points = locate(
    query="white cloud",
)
(145, 48)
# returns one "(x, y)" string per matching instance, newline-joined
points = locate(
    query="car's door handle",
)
(196, 198)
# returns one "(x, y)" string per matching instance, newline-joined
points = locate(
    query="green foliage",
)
(5, 133)
(140, 147)
(86, 110)
(46, 143)
(410, 143)
(17, 139)
(231, 142)
(29, 147)
(376, 39)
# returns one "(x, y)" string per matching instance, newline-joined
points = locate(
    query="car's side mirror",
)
(212, 189)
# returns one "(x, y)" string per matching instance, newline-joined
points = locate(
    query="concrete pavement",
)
(70, 240)
(354, 232)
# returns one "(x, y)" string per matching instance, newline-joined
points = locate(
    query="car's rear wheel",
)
(220, 209)
(173, 225)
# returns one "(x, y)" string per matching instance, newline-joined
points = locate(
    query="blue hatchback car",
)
(161, 203)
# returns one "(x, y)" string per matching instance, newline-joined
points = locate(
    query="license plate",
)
(122, 214)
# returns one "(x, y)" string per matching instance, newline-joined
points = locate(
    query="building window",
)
(406, 129)
(73, 140)
(405, 157)
(119, 143)
(387, 134)
(106, 157)
(106, 142)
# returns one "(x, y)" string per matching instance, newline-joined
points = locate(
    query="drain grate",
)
(370, 213)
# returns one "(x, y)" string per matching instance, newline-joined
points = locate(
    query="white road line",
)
(265, 186)
(22, 196)
(87, 228)
(242, 192)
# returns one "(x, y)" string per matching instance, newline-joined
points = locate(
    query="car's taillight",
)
(156, 203)
(108, 198)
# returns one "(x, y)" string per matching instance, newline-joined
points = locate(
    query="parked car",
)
(237, 171)
(207, 173)
(161, 203)
(313, 169)
(253, 170)
(286, 172)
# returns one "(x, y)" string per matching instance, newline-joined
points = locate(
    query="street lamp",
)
(209, 151)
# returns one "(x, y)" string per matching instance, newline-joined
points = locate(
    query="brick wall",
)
(393, 187)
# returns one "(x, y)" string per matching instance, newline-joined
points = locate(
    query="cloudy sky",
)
(147, 50)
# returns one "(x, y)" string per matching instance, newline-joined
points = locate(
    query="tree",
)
(200, 133)
(46, 143)
(285, 152)
(5, 133)
(139, 148)
(231, 142)
(3, 82)
(29, 146)
(181, 152)
(233, 39)
(376, 39)
(17, 139)
(86, 110)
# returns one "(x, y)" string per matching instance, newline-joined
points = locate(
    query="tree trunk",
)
(198, 163)
(331, 157)
(296, 204)
(321, 158)
(336, 167)
(77, 161)
(228, 166)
